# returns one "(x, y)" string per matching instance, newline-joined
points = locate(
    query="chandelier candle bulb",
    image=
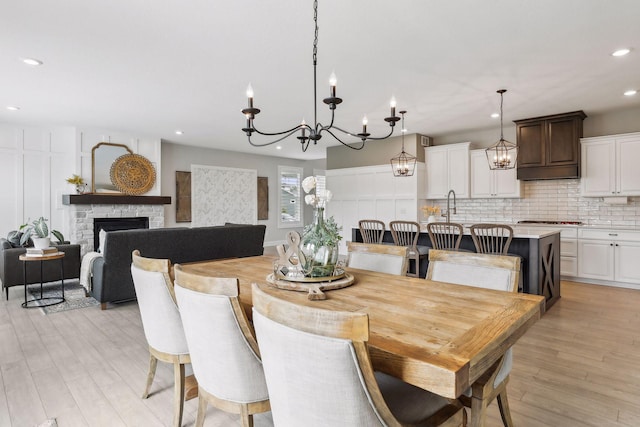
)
(393, 106)
(332, 84)
(250, 95)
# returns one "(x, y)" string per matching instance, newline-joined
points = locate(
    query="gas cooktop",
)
(550, 222)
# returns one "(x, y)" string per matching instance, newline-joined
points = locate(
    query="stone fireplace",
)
(82, 210)
(113, 224)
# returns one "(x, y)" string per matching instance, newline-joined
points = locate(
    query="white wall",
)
(34, 164)
(148, 147)
(596, 124)
(36, 161)
(177, 157)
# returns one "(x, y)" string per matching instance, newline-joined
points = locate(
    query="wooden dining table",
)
(438, 336)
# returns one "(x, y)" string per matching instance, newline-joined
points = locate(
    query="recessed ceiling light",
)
(630, 92)
(278, 147)
(495, 115)
(32, 61)
(13, 108)
(621, 52)
(179, 132)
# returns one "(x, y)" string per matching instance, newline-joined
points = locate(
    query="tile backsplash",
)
(552, 200)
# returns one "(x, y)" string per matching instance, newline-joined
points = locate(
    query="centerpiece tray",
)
(314, 286)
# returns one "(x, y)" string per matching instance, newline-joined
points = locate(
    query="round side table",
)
(42, 301)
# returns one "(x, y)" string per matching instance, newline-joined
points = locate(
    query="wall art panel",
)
(222, 195)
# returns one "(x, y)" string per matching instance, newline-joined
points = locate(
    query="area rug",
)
(74, 295)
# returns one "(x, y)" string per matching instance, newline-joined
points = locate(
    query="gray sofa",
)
(112, 281)
(12, 270)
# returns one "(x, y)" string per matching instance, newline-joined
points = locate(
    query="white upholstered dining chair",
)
(162, 327)
(224, 352)
(498, 272)
(381, 258)
(319, 372)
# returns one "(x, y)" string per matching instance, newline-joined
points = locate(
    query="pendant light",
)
(316, 129)
(502, 154)
(403, 164)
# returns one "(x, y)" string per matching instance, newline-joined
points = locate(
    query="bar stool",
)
(491, 238)
(445, 235)
(495, 239)
(372, 230)
(406, 233)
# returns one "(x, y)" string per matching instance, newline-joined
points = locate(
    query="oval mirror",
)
(102, 157)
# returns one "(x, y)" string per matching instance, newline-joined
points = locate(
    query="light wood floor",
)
(578, 366)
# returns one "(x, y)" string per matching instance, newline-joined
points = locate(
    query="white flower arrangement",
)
(321, 195)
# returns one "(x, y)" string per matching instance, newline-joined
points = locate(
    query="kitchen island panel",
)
(539, 250)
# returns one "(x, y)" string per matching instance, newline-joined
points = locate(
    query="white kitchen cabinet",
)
(447, 169)
(569, 252)
(609, 166)
(596, 259)
(487, 183)
(609, 255)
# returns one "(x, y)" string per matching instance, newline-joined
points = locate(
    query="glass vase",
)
(319, 248)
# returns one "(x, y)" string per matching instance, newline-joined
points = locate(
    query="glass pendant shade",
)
(404, 164)
(502, 154)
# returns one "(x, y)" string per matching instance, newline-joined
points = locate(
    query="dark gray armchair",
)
(12, 273)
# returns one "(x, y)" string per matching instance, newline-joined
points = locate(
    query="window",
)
(289, 197)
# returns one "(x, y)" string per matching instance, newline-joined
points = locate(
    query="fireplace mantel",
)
(113, 199)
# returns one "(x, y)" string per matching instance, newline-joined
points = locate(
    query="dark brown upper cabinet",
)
(549, 146)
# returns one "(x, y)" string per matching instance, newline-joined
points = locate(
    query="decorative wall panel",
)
(183, 196)
(222, 195)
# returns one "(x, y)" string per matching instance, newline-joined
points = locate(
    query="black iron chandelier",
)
(404, 164)
(315, 131)
(502, 154)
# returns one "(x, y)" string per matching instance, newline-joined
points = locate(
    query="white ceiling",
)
(151, 67)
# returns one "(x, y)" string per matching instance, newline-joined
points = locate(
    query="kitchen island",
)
(538, 247)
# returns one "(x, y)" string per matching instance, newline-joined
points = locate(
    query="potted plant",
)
(38, 232)
(319, 242)
(78, 182)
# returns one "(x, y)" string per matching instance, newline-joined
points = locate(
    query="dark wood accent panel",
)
(183, 196)
(560, 132)
(113, 199)
(263, 197)
(549, 146)
(531, 147)
(549, 172)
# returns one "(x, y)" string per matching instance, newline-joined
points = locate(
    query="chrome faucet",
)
(447, 214)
